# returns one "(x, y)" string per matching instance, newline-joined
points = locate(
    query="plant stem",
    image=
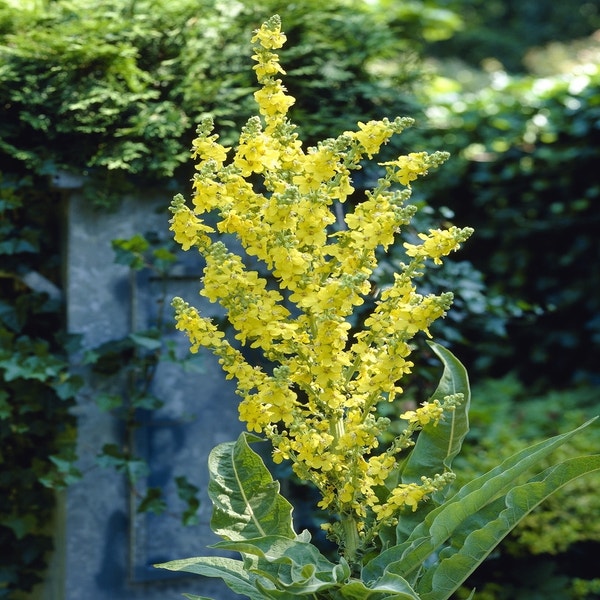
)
(337, 429)
(351, 540)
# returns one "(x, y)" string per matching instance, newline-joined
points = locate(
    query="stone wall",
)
(106, 552)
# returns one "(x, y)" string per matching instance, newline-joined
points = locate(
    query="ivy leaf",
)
(148, 342)
(188, 492)
(153, 502)
(68, 386)
(147, 401)
(108, 402)
(5, 407)
(20, 526)
(130, 252)
(113, 457)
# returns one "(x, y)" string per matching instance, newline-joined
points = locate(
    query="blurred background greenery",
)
(509, 87)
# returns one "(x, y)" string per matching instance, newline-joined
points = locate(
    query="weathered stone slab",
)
(109, 552)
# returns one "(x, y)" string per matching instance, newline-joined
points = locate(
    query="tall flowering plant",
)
(400, 532)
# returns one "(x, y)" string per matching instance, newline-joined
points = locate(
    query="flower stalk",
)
(318, 407)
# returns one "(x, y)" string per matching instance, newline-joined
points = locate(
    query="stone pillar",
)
(108, 554)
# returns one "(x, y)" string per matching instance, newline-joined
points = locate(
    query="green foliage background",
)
(37, 432)
(114, 94)
(552, 553)
(524, 175)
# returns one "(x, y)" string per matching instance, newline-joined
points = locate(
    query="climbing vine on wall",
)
(37, 431)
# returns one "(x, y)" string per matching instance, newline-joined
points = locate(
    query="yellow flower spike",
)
(269, 36)
(409, 167)
(256, 155)
(317, 167)
(438, 243)
(372, 136)
(317, 403)
(208, 149)
(268, 65)
(201, 331)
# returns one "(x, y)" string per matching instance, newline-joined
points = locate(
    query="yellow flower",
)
(372, 135)
(208, 149)
(317, 167)
(409, 167)
(269, 35)
(255, 155)
(272, 100)
(429, 412)
(188, 229)
(268, 65)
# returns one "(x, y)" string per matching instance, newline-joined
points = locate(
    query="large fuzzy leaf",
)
(246, 505)
(441, 523)
(437, 445)
(246, 499)
(469, 547)
(231, 571)
(295, 566)
(388, 587)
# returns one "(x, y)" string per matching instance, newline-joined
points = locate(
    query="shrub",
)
(117, 91)
(526, 152)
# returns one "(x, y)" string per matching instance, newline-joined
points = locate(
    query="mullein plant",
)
(399, 529)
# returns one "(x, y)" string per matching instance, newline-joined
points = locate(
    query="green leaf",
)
(147, 401)
(153, 502)
(113, 457)
(188, 492)
(470, 547)
(500, 480)
(388, 587)
(246, 500)
(164, 255)
(148, 342)
(20, 526)
(294, 565)
(5, 407)
(108, 402)
(437, 445)
(441, 523)
(130, 251)
(66, 472)
(230, 570)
